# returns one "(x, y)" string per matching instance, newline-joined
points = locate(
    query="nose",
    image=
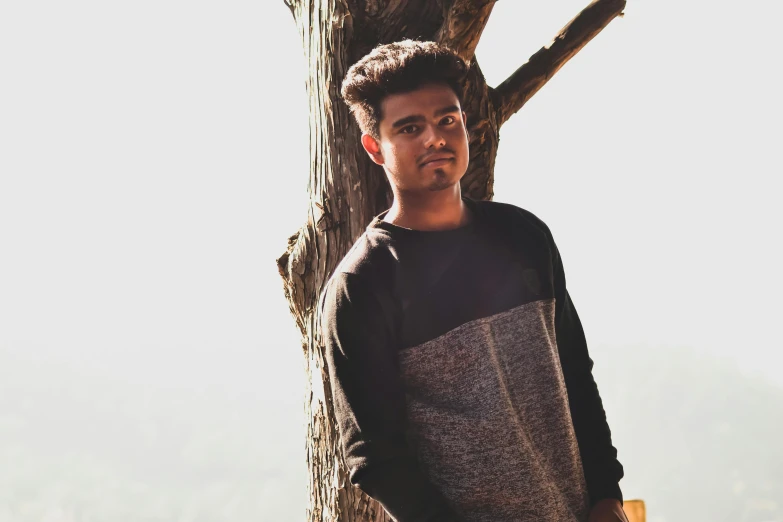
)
(433, 138)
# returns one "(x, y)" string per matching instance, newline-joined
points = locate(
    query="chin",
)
(442, 182)
(439, 188)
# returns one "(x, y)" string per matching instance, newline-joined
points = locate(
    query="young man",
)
(461, 379)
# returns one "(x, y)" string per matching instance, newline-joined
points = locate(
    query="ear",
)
(373, 148)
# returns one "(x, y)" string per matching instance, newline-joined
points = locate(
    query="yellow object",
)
(635, 510)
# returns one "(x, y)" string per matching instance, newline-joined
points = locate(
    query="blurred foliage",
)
(699, 439)
(76, 446)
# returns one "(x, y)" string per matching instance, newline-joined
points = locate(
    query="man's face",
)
(423, 142)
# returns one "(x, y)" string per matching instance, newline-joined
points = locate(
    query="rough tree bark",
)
(346, 189)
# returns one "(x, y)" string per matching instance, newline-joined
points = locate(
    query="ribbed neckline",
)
(395, 230)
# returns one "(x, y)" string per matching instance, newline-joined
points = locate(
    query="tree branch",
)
(463, 24)
(518, 88)
(291, 5)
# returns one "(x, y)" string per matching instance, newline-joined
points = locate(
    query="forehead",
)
(424, 101)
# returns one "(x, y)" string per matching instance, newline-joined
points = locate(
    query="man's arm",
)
(369, 404)
(599, 457)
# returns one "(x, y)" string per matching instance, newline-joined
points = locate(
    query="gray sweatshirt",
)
(460, 375)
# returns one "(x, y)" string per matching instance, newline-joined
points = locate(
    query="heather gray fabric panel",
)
(489, 419)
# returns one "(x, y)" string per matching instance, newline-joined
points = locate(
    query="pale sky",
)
(154, 157)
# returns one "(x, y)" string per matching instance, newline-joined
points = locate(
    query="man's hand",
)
(607, 510)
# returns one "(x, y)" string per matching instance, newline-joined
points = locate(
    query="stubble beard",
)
(441, 181)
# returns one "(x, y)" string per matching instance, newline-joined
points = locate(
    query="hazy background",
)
(153, 161)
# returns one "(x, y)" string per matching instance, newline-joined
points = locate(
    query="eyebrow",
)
(418, 117)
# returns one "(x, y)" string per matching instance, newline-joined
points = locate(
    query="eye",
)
(448, 120)
(410, 129)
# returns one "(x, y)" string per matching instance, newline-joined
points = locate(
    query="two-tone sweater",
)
(460, 375)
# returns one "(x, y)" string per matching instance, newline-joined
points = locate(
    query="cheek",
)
(462, 145)
(400, 153)
(460, 135)
(390, 155)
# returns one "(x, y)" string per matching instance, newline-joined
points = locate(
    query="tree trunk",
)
(346, 189)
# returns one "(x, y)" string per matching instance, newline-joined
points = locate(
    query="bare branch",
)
(463, 24)
(291, 5)
(518, 88)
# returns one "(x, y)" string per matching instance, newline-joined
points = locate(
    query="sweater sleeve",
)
(599, 457)
(369, 404)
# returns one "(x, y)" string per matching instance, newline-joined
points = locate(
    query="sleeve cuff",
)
(607, 491)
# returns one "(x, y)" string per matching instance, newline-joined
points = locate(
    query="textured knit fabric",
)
(461, 380)
(498, 408)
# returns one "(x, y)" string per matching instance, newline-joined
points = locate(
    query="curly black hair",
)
(396, 68)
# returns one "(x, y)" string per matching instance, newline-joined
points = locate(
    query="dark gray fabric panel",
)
(489, 419)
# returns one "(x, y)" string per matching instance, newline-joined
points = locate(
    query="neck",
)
(437, 210)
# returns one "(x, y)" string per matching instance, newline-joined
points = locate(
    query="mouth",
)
(437, 161)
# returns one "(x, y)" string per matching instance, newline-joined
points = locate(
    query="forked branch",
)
(463, 24)
(291, 5)
(518, 88)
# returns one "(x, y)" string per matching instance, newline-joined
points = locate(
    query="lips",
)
(439, 159)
